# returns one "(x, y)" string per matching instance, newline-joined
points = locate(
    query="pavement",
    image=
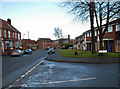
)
(58, 58)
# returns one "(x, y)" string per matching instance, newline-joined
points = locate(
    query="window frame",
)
(117, 27)
(110, 29)
(0, 32)
(5, 33)
(8, 34)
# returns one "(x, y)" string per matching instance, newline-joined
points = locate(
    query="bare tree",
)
(58, 33)
(105, 11)
(101, 11)
(83, 11)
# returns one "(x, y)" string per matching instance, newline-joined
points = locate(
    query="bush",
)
(67, 46)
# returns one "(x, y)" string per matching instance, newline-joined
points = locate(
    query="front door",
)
(89, 46)
(109, 46)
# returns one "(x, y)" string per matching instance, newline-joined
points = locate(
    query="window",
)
(117, 43)
(9, 34)
(16, 35)
(95, 33)
(13, 35)
(88, 34)
(118, 27)
(98, 32)
(110, 29)
(103, 30)
(5, 33)
(0, 33)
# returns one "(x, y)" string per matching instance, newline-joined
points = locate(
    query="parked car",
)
(28, 51)
(17, 53)
(70, 47)
(46, 48)
(51, 51)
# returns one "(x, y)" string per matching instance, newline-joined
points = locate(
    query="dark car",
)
(28, 51)
(17, 53)
(46, 48)
(51, 51)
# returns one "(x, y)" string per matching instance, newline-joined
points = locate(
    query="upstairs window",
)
(5, 33)
(103, 29)
(88, 34)
(85, 35)
(13, 35)
(95, 33)
(9, 34)
(110, 29)
(98, 32)
(0, 33)
(16, 35)
(118, 27)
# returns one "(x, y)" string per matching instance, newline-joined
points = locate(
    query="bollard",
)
(75, 53)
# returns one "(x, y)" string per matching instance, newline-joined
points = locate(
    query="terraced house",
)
(44, 43)
(29, 44)
(111, 39)
(10, 37)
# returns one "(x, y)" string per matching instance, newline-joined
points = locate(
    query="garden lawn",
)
(86, 54)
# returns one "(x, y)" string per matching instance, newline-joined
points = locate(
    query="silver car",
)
(17, 53)
(51, 51)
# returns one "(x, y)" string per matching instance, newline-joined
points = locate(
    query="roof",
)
(45, 39)
(5, 25)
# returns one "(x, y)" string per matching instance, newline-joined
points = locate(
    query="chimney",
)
(68, 38)
(9, 21)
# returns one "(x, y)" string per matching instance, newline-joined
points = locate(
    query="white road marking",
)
(69, 81)
(22, 76)
(23, 85)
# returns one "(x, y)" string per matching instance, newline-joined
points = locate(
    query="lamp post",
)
(23, 36)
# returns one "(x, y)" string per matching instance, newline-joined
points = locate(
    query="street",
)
(14, 67)
(57, 74)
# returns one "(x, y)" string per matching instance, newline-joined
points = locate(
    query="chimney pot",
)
(68, 38)
(9, 21)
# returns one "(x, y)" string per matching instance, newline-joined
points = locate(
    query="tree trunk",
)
(101, 41)
(91, 9)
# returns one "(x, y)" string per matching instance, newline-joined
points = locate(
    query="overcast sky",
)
(40, 18)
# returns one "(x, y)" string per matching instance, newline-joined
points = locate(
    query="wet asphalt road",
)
(14, 67)
(54, 74)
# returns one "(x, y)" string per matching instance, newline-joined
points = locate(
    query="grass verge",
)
(86, 54)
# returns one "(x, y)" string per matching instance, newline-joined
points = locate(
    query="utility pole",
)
(28, 34)
(23, 36)
(28, 39)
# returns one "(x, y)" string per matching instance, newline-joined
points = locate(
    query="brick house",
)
(26, 44)
(111, 39)
(10, 37)
(33, 45)
(60, 43)
(29, 44)
(44, 43)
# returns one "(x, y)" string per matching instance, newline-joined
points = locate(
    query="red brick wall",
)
(88, 38)
(110, 35)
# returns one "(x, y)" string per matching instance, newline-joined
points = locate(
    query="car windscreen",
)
(16, 51)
